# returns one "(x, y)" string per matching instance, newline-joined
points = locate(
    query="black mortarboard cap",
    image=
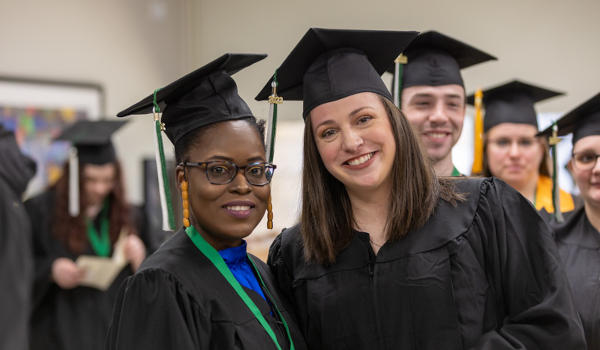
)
(582, 121)
(205, 96)
(92, 139)
(436, 59)
(512, 102)
(330, 64)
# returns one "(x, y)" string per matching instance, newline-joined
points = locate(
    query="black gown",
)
(482, 275)
(16, 260)
(65, 319)
(579, 248)
(179, 300)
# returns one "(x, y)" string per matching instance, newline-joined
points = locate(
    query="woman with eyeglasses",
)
(512, 152)
(201, 289)
(578, 237)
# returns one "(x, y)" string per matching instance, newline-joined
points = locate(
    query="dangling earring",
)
(186, 203)
(269, 214)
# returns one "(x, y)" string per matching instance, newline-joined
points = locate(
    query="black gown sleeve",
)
(533, 300)
(281, 274)
(45, 248)
(16, 271)
(153, 311)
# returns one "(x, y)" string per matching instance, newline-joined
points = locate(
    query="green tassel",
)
(163, 166)
(555, 187)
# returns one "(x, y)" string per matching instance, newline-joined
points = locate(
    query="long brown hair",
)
(71, 231)
(545, 164)
(327, 219)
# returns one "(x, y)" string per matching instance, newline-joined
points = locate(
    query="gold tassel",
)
(477, 168)
(186, 203)
(269, 214)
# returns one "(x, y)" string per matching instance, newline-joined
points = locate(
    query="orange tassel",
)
(477, 168)
(186, 203)
(269, 214)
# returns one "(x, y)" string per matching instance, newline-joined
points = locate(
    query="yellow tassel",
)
(269, 214)
(185, 204)
(477, 168)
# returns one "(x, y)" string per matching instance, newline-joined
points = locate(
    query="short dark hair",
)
(184, 144)
(326, 217)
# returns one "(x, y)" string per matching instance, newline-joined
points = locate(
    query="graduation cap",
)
(512, 102)
(90, 144)
(435, 59)
(205, 96)
(582, 121)
(330, 64)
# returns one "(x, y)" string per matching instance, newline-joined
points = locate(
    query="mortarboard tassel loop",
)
(477, 168)
(399, 63)
(274, 100)
(73, 182)
(168, 219)
(553, 141)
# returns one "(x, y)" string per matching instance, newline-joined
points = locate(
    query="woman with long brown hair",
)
(387, 255)
(66, 225)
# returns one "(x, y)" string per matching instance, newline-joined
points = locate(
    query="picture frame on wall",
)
(37, 110)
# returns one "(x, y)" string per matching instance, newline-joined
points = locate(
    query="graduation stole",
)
(100, 242)
(455, 172)
(216, 259)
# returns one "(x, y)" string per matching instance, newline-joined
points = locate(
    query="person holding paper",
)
(83, 215)
(201, 289)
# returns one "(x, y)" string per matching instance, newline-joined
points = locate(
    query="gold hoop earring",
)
(186, 203)
(269, 214)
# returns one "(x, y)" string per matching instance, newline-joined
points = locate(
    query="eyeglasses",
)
(504, 143)
(222, 172)
(586, 160)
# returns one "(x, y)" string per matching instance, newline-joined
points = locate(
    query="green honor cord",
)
(216, 259)
(100, 242)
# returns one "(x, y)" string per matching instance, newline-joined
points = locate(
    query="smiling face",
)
(224, 214)
(588, 178)
(513, 153)
(436, 114)
(355, 141)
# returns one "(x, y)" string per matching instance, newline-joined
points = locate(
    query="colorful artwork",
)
(35, 130)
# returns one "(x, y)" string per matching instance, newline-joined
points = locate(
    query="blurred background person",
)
(67, 225)
(578, 237)
(511, 150)
(16, 262)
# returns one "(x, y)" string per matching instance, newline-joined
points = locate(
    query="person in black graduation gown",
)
(578, 237)
(16, 260)
(67, 225)
(432, 93)
(200, 289)
(386, 255)
(511, 151)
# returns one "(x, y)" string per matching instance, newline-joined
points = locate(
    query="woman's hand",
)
(134, 251)
(66, 274)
